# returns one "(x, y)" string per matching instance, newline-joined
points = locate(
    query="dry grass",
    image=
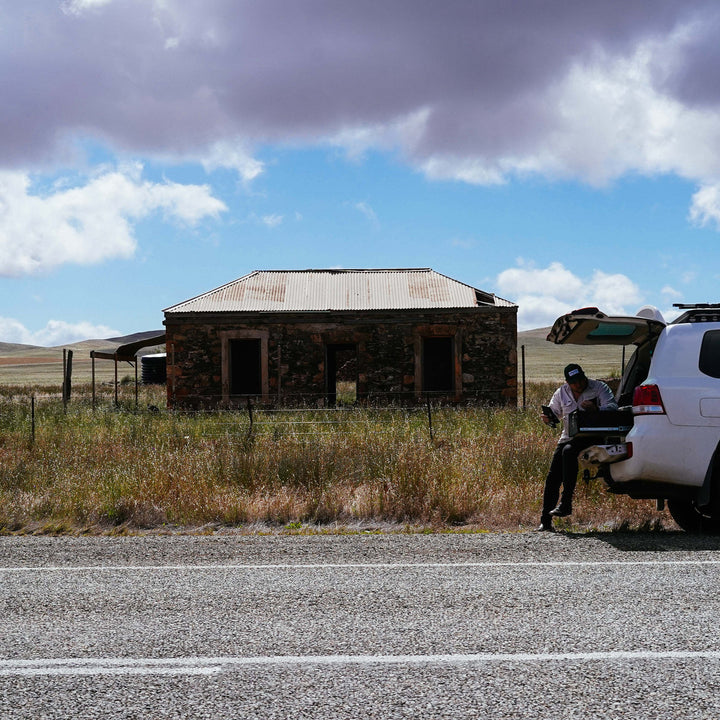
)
(483, 469)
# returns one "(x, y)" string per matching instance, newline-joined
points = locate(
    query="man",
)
(578, 393)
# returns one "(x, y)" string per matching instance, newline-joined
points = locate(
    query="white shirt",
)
(563, 402)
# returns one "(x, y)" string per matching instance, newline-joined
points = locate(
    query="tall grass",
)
(139, 467)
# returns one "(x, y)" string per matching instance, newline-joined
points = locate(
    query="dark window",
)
(245, 376)
(608, 331)
(438, 365)
(710, 354)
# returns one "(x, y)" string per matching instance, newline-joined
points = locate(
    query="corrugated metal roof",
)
(337, 290)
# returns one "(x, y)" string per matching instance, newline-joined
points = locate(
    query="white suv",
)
(671, 391)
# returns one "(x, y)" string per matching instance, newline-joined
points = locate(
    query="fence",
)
(29, 413)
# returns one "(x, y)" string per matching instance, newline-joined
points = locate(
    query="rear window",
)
(710, 354)
(612, 331)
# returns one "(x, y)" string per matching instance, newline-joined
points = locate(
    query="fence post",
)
(32, 419)
(523, 375)
(67, 377)
(250, 415)
(429, 414)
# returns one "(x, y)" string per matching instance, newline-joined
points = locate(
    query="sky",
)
(557, 154)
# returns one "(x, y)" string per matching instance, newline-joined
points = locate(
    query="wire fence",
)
(246, 418)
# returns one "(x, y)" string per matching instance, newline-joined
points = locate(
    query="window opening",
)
(245, 375)
(438, 365)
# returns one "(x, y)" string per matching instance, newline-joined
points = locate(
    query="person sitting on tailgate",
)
(578, 393)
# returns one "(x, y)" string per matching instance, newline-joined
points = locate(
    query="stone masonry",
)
(388, 347)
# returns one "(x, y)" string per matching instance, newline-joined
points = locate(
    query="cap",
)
(574, 372)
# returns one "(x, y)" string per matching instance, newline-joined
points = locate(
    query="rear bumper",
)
(666, 453)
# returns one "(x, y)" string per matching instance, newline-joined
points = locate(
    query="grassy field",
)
(130, 468)
(544, 362)
(29, 365)
(126, 469)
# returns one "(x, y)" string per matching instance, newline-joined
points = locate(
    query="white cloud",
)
(671, 293)
(554, 88)
(89, 223)
(705, 207)
(367, 211)
(231, 155)
(553, 280)
(77, 7)
(543, 294)
(271, 220)
(614, 294)
(56, 332)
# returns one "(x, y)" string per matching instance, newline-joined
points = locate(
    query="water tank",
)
(154, 369)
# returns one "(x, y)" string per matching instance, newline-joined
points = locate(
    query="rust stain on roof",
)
(338, 290)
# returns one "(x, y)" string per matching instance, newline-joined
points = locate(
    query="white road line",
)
(214, 665)
(351, 566)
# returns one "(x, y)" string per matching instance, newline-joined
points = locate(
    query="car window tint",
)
(608, 331)
(710, 354)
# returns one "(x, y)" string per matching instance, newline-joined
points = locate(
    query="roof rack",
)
(697, 313)
(692, 306)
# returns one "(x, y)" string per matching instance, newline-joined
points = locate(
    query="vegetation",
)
(121, 469)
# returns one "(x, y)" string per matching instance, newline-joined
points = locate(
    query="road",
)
(506, 625)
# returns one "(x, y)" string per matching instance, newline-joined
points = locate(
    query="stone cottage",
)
(295, 337)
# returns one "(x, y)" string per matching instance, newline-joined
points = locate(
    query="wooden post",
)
(250, 415)
(92, 356)
(523, 375)
(64, 394)
(429, 414)
(67, 376)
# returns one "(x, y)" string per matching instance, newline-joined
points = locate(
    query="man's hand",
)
(589, 404)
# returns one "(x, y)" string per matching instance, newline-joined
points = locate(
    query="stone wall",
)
(388, 354)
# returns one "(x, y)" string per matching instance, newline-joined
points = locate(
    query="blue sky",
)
(155, 149)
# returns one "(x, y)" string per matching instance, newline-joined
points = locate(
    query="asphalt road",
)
(361, 626)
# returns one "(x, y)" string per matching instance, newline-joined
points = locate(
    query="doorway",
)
(341, 373)
(245, 367)
(438, 365)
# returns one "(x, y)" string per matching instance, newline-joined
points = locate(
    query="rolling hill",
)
(33, 364)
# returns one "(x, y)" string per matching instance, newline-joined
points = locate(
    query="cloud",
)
(671, 293)
(271, 220)
(88, 223)
(56, 332)
(705, 206)
(367, 211)
(545, 293)
(472, 91)
(233, 156)
(77, 7)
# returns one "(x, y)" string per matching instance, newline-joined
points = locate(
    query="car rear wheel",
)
(687, 515)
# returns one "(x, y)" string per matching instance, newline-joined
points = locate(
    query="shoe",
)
(546, 527)
(561, 511)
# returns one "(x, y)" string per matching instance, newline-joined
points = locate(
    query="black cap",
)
(573, 373)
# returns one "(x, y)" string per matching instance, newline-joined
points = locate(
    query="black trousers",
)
(563, 472)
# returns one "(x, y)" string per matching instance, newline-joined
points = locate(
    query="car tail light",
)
(628, 450)
(647, 401)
